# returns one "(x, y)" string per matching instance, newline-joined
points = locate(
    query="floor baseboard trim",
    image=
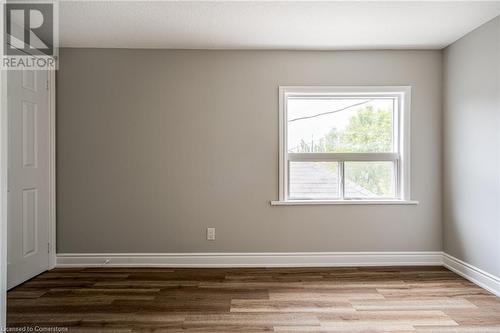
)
(288, 259)
(285, 259)
(475, 275)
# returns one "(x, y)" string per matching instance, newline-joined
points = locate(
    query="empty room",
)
(250, 166)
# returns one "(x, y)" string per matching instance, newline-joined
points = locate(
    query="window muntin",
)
(340, 143)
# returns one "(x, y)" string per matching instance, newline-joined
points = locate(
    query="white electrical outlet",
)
(210, 233)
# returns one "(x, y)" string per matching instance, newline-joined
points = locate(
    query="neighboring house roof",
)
(311, 180)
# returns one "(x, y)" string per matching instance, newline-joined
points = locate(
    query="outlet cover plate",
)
(210, 233)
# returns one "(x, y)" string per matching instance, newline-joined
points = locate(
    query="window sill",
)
(342, 202)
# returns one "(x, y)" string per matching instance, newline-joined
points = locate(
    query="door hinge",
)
(48, 247)
(47, 84)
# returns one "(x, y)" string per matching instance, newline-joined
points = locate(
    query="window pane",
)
(369, 180)
(340, 125)
(314, 180)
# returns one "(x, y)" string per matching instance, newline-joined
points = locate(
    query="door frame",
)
(51, 77)
(51, 85)
(3, 198)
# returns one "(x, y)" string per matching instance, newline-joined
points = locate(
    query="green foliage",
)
(368, 131)
(376, 177)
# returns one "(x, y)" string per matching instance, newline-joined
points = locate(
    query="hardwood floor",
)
(402, 299)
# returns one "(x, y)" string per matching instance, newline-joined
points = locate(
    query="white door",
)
(28, 175)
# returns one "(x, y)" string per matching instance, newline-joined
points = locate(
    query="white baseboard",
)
(287, 259)
(302, 259)
(475, 275)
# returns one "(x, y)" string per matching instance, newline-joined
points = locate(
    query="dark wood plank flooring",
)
(402, 299)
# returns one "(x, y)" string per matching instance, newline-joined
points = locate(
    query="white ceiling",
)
(270, 25)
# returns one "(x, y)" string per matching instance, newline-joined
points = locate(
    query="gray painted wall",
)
(153, 146)
(471, 168)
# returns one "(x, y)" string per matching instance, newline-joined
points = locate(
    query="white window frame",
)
(401, 157)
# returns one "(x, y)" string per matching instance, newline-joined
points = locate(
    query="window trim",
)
(403, 95)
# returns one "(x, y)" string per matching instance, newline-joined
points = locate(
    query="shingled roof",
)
(316, 181)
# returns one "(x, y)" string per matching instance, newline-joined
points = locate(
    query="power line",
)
(329, 112)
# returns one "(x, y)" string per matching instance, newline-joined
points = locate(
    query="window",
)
(344, 144)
